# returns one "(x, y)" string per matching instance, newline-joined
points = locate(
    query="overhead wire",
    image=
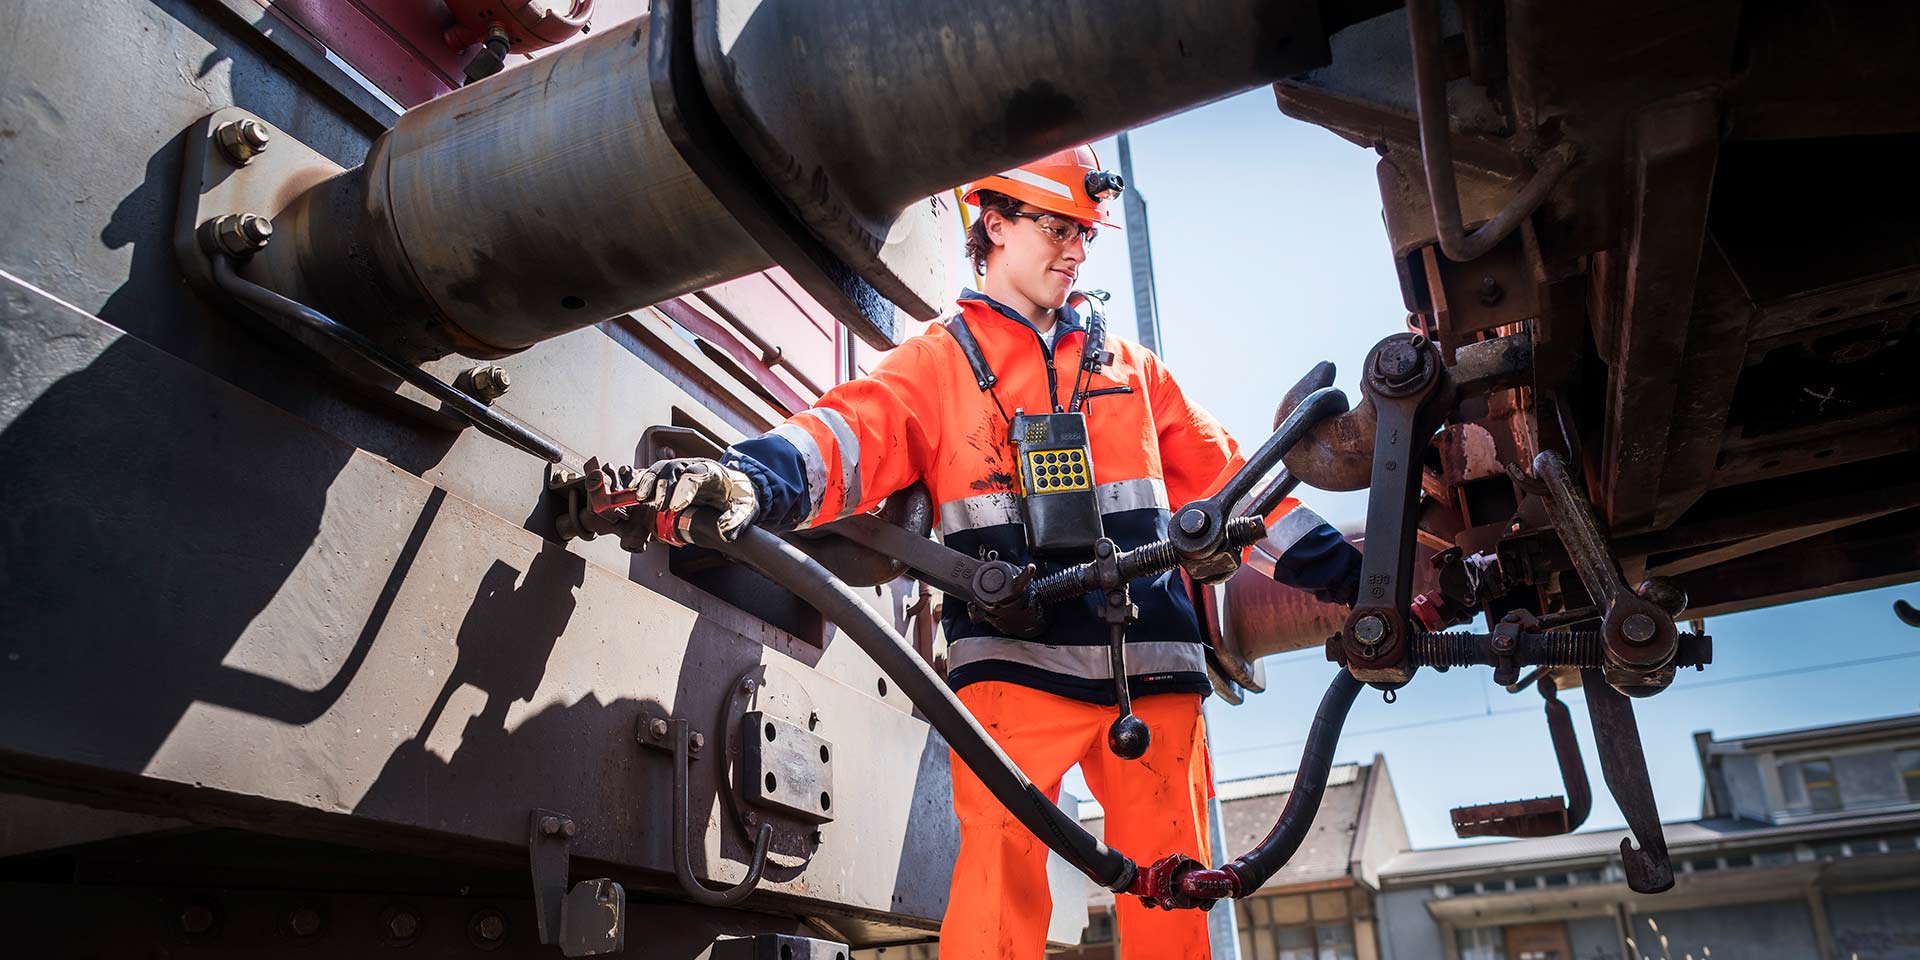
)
(1531, 708)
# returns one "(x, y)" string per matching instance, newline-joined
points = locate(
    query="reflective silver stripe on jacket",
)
(849, 457)
(993, 509)
(1143, 657)
(1281, 537)
(1140, 494)
(985, 510)
(811, 459)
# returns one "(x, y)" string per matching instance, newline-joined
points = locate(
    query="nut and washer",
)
(490, 381)
(242, 140)
(241, 234)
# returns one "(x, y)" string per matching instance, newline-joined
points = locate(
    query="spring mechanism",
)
(1560, 648)
(1142, 561)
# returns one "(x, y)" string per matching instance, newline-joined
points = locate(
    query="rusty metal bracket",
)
(679, 738)
(587, 921)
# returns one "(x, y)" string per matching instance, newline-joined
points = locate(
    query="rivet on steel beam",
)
(489, 926)
(403, 925)
(304, 921)
(242, 140)
(196, 919)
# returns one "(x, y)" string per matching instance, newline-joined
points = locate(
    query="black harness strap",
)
(970, 348)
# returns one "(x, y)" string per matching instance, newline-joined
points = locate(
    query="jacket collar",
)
(1066, 316)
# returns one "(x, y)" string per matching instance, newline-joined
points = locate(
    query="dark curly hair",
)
(978, 243)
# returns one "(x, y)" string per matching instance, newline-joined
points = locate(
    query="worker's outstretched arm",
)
(863, 440)
(1198, 456)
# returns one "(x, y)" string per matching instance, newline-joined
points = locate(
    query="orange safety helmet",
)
(1069, 183)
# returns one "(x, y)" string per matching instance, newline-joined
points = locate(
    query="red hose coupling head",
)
(1179, 882)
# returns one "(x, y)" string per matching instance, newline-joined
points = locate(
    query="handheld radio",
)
(1054, 470)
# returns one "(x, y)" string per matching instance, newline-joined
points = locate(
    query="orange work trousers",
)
(1156, 805)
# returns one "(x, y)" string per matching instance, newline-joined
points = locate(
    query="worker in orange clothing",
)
(941, 408)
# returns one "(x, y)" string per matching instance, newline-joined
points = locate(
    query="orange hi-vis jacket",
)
(921, 415)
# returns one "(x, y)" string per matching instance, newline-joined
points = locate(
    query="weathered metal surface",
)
(538, 201)
(858, 158)
(381, 660)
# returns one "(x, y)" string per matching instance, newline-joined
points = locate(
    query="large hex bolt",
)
(489, 382)
(242, 234)
(486, 929)
(242, 140)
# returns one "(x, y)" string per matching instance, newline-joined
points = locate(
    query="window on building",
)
(1703, 865)
(1904, 842)
(1481, 943)
(1467, 889)
(1526, 883)
(1294, 943)
(1810, 785)
(1907, 762)
(1739, 860)
(1334, 941)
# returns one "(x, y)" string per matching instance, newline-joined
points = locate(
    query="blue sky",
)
(1271, 256)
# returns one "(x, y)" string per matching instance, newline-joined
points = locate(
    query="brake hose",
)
(785, 564)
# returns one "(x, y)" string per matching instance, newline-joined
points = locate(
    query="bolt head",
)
(657, 728)
(1193, 522)
(993, 579)
(550, 826)
(566, 828)
(749, 684)
(1370, 628)
(242, 140)
(196, 919)
(1399, 361)
(304, 921)
(403, 925)
(491, 927)
(1638, 628)
(697, 740)
(819, 835)
(490, 381)
(242, 234)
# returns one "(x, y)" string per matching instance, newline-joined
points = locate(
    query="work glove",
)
(673, 486)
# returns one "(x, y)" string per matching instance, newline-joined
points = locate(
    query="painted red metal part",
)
(1179, 882)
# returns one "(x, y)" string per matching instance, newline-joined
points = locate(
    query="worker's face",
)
(1038, 253)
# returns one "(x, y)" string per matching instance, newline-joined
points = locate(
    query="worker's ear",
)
(996, 224)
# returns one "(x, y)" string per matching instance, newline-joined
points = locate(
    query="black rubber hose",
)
(1255, 867)
(785, 564)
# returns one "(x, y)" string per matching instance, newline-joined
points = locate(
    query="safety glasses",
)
(1059, 229)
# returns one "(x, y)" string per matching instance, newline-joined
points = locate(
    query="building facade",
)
(1806, 849)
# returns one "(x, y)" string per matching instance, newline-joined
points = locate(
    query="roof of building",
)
(1865, 729)
(1249, 808)
(1693, 836)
